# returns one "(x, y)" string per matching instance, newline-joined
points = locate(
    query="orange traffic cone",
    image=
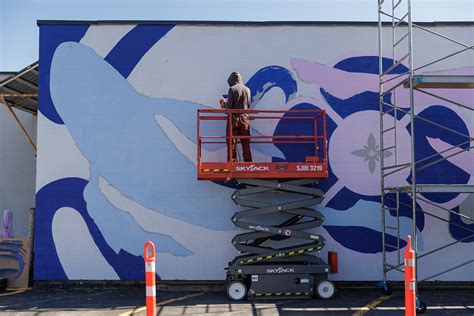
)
(410, 291)
(149, 255)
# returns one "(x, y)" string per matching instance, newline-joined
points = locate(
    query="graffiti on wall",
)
(133, 159)
(15, 261)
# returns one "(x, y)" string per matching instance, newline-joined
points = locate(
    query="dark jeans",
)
(240, 127)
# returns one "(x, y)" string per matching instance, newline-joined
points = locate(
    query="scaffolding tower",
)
(396, 15)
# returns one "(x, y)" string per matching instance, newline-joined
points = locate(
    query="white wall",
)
(17, 168)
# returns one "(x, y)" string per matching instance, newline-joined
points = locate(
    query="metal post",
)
(325, 140)
(315, 139)
(2, 99)
(198, 138)
(382, 200)
(395, 150)
(229, 137)
(412, 132)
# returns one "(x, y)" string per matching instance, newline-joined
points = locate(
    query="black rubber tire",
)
(231, 290)
(323, 296)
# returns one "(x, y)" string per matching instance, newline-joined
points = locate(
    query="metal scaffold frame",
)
(401, 41)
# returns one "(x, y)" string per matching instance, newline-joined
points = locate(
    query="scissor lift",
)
(276, 257)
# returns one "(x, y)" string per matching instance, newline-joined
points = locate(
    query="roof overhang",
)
(20, 89)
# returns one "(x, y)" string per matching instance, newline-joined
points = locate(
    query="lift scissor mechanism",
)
(277, 251)
(271, 270)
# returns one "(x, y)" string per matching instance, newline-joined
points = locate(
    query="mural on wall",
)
(15, 261)
(126, 159)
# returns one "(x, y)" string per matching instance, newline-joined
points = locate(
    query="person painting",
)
(238, 98)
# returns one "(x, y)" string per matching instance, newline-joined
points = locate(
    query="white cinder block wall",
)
(17, 169)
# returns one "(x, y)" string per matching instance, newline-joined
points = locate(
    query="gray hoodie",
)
(238, 95)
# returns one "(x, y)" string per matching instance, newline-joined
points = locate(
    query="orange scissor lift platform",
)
(275, 259)
(313, 166)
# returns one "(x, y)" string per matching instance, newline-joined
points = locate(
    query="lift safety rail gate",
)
(275, 259)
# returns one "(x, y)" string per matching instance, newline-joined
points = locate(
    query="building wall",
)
(117, 129)
(17, 169)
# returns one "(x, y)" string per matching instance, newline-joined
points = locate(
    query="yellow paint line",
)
(371, 305)
(143, 308)
(16, 291)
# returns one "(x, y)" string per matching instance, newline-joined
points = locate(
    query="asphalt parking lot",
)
(131, 301)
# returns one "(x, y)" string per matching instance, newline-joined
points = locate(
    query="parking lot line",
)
(371, 305)
(143, 308)
(17, 291)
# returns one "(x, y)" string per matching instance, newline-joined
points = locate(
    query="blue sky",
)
(19, 32)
